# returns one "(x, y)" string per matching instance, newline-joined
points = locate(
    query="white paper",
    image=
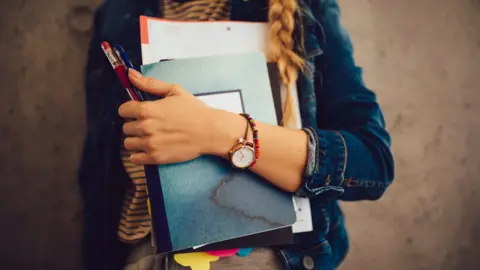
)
(176, 40)
(304, 215)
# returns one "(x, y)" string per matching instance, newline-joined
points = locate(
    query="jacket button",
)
(308, 262)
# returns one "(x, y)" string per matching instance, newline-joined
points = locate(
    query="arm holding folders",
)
(287, 160)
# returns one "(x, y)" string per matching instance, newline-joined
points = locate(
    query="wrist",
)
(225, 131)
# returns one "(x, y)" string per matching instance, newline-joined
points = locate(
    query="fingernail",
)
(135, 74)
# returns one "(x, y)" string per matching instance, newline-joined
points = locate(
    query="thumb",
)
(151, 85)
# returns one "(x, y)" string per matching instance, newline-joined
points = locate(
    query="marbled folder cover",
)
(206, 200)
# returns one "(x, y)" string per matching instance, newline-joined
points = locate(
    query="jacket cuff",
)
(326, 163)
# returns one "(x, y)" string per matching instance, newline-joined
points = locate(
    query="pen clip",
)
(119, 57)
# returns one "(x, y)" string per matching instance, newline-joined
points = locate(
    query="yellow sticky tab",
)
(196, 260)
(148, 203)
(149, 207)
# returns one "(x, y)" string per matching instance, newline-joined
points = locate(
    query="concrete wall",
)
(422, 57)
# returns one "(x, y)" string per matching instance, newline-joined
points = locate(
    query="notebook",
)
(196, 39)
(206, 200)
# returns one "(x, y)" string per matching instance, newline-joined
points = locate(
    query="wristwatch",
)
(242, 154)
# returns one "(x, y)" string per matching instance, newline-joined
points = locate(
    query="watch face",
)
(243, 157)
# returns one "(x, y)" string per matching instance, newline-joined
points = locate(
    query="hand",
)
(174, 129)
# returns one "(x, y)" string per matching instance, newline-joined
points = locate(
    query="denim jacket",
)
(349, 157)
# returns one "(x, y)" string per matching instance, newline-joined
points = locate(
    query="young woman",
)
(341, 153)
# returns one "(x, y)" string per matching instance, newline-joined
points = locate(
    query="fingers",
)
(144, 148)
(149, 150)
(152, 86)
(137, 110)
(139, 128)
(152, 158)
(135, 143)
(129, 110)
(142, 158)
(144, 144)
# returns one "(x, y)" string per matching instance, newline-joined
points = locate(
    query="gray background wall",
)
(422, 57)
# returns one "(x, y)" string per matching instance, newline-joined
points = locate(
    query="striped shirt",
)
(135, 222)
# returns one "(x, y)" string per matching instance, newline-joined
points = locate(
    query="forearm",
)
(283, 151)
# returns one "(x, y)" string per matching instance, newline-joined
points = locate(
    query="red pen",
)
(119, 69)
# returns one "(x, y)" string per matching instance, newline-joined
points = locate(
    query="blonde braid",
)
(281, 17)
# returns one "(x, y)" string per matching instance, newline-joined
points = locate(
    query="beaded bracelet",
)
(256, 142)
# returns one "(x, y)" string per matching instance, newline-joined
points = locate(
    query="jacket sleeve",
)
(349, 152)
